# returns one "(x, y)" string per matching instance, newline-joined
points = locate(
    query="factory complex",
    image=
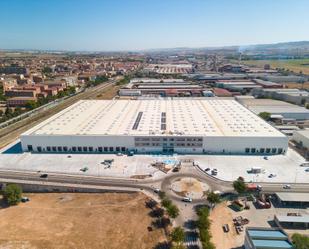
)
(181, 125)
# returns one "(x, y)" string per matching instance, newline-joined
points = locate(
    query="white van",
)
(187, 199)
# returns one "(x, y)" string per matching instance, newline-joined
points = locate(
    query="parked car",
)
(84, 169)
(187, 199)
(207, 169)
(25, 199)
(272, 175)
(214, 172)
(307, 170)
(43, 175)
(131, 153)
(287, 186)
(226, 228)
(305, 164)
(156, 190)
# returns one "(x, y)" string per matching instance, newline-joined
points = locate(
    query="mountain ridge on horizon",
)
(279, 45)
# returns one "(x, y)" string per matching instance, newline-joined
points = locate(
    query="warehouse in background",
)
(284, 110)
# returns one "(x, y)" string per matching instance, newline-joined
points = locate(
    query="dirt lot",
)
(297, 85)
(104, 221)
(219, 216)
(296, 65)
(109, 92)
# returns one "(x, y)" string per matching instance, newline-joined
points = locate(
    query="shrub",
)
(12, 194)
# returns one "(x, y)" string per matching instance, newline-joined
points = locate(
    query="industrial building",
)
(297, 221)
(294, 96)
(237, 85)
(302, 138)
(278, 109)
(168, 125)
(289, 199)
(161, 87)
(266, 238)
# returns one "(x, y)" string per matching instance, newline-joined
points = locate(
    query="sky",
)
(101, 25)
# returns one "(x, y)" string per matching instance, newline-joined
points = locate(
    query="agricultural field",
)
(296, 65)
(75, 220)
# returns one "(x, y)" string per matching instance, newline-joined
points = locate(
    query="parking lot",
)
(277, 168)
(283, 168)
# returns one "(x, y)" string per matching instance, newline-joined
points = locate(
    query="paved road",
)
(150, 184)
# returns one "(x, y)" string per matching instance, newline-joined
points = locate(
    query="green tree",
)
(47, 70)
(162, 195)
(12, 194)
(213, 198)
(239, 185)
(123, 81)
(166, 202)
(31, 104)
(178, 235)
(203, 225)
(265, 115)
(8, 112)
(300, 241)
(172, 211)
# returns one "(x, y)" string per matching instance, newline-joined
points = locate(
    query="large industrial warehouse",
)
(155, 126)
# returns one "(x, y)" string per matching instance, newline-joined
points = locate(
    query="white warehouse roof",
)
(156, 117)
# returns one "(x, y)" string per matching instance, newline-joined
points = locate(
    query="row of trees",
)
(2, 97)
(10, 113)
(177, 236)
(171, 209)
(98, 80)
(203, 224)
(30, 105)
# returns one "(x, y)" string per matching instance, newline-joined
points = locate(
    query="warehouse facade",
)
(155, 126)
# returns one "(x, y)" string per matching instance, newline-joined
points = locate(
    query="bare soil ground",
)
(296, 65)
(109, 92)
(297, 85)
(64, 221)
(219, 216)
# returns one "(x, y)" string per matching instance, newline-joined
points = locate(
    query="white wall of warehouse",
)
(215, 144)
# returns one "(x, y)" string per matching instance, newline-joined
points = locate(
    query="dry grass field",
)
(71, 220)
(293, 65)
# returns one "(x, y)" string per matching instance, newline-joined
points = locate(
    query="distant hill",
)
(304, 45)
(295, 48)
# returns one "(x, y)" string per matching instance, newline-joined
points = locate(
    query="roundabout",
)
(189, 187)
(179, 186)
